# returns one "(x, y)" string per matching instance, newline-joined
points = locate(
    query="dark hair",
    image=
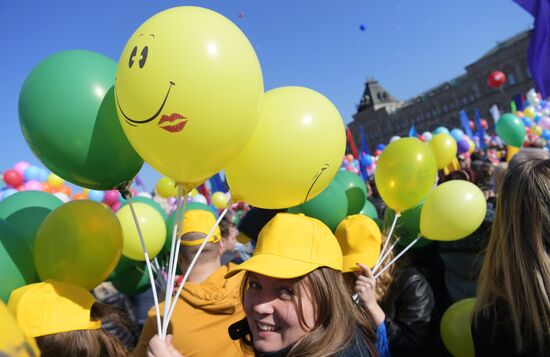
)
(86, 343)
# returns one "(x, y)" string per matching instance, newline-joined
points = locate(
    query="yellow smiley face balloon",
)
(188, 92)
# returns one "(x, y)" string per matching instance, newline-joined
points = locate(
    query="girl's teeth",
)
(266, 327)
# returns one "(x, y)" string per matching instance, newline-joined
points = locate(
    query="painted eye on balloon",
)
(132, 56)
(143, 58)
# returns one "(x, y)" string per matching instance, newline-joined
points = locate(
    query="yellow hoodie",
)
(201, 318)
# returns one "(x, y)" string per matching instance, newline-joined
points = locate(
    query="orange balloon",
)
(46, 187)
(79, 196)
(65, 189)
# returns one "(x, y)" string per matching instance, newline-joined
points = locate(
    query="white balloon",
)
(394, 138)
(145, 194)
(200, 199)
(427, 136)
(63, 197)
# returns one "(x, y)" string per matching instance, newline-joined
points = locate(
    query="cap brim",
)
(275, 266)
(350, 261)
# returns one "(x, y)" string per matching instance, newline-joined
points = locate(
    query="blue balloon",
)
(463, 145)
(546, 134)
(380, 147)
(43, 175)
(366, 160)
(362, 27)
(441, 130)
(31, 173)
(96, 195)
(527, 122)
(536, 118)
(457, 134)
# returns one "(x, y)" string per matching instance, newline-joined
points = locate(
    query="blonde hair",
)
(516, 269)
(337, 320)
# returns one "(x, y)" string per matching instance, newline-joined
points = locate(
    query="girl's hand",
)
(365, 287)
(159, 348)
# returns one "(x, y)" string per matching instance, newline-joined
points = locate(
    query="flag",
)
(538, 55)
(412, 132)
(351, 143)
(364, 147)
(480, 133)
(519, 102)
(495, 113)
(513, 108)
(465, 122)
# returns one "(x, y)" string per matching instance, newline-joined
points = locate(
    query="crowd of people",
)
(307, 291)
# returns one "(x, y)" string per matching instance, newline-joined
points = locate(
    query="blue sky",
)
(409, 46)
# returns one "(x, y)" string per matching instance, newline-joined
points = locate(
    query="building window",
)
(464, 100)
(528, 72)
(472, 97)
(445, 108)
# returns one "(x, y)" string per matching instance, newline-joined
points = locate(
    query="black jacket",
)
(409, 308)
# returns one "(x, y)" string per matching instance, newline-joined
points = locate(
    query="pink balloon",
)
(111, 197)
(33, 185)
(116, 206)
(544, 123)
(21, 166)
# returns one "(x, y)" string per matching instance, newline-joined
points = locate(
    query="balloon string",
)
(379, 261)
(195, 258)
(168, 293)
(386, 255)
(398, 256)
(147, 261)
(178, 245)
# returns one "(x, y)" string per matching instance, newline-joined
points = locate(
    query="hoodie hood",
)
(215, 294)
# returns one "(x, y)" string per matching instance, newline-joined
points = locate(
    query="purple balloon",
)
(463, 145)
(544, 123)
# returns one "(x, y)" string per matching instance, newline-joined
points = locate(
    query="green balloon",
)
(407, 227)
(355, 189)
(26, 210)
(330, 206)
(511, 130)
(133, 281)
(149, 201)
(172, 219)
(369, 210)
(16, 264)
(68, 117)
(124, 265)
(455, 328)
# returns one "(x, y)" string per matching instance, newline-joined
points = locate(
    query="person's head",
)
(361, 241)
(64, 319)
(500, 170)
(229, 234)
(516, 269)
(196, 225)
(293, 292)
(527, 154)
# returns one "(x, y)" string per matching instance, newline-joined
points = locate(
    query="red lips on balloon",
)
(496, 79)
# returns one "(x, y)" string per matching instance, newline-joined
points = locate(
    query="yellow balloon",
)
(529, 112)
(13, 342)
(454, 210)
(294, 153)
(444, 148)
(219, 200)
(166, 187)
(455, 328)
(55, 181)
(188, 91)
(152, 228)
(193, 192)
(537, 130)
(405, 173)
(472, 147)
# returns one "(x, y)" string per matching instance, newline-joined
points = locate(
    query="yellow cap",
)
(199, 221)
(360, 239)
(13, 342)
(292, 245)
(52, 307)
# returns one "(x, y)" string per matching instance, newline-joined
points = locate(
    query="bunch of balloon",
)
(453, 210)
(294, 153)
(74, 89)
(455, 328)
(79, 242)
